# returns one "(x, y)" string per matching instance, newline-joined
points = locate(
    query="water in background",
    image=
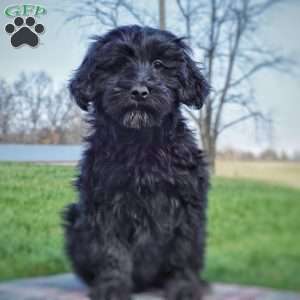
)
(15, 152)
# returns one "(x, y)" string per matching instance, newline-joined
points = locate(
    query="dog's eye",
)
(157, 64)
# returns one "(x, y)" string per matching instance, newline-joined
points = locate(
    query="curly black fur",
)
(141, 214)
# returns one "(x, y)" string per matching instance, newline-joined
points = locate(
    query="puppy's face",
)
(137, 76)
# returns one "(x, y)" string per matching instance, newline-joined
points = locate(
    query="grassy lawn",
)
(253, 227)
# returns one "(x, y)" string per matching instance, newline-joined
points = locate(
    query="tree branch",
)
(239, 120)
(195, 118)
(256, 68)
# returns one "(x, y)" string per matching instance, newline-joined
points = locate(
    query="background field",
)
(253, 227)
(287, 173)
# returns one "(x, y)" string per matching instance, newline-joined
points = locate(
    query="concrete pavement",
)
(68, 287)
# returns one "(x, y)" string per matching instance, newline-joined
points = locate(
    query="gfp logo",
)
(24, 30)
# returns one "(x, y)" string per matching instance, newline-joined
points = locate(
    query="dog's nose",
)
(139, 92)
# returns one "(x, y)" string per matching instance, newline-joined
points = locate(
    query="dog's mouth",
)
(137, 119)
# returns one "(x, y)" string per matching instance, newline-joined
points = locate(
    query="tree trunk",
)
(211, 154)
(162, 15)
(209, 143)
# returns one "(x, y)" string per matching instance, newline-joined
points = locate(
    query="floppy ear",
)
(82, 84)
(195, 88)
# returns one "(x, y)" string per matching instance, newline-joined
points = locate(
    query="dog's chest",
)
(140, 171)
(156, 214)
(144, 190)
(146, 171)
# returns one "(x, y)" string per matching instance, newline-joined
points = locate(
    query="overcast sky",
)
(62, 49)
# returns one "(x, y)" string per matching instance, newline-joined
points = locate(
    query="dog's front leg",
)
(97, 256)
(184, 285)
(113, 278)
(186, 260)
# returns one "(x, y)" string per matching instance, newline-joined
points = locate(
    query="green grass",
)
(253, 227)
(254, 232)
(31, 200)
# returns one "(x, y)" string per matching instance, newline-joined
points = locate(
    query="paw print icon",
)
(24, 32)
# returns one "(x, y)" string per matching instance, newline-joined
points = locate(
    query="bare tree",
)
(61, 116)
(7, 109)
(31, 92)
(76, 128)
(109, 13)
(59, 109)
(226, 36)
(33, 111)
(190, 11)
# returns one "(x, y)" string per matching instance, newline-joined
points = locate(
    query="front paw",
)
(110, 291)
(183, 290)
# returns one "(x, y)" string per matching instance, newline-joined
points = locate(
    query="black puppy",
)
(141, 214)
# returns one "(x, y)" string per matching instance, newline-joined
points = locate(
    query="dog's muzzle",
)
(137, 119)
